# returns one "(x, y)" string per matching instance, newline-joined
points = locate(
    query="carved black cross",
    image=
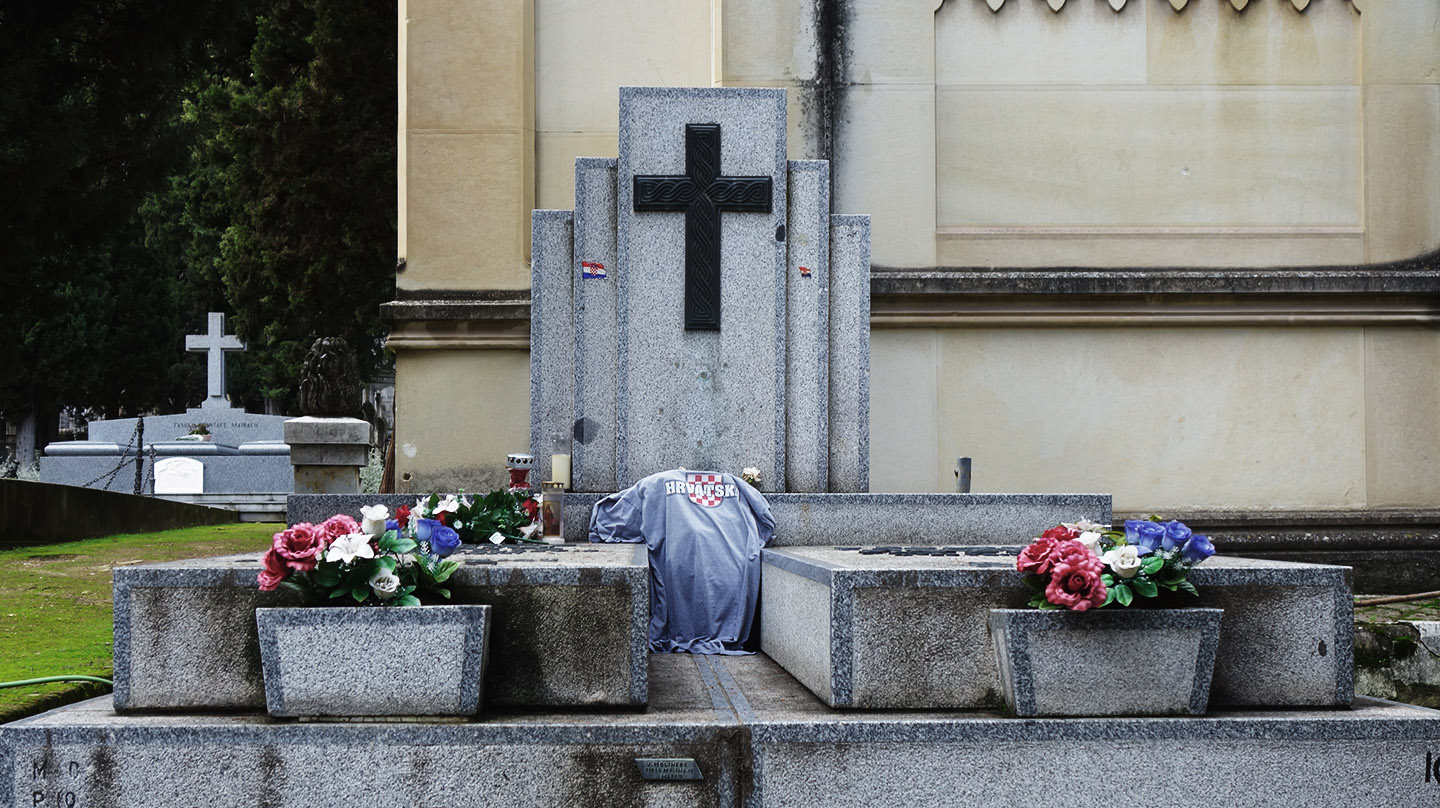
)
(701, 194)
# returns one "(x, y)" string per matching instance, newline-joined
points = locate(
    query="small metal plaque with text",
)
(669, 768)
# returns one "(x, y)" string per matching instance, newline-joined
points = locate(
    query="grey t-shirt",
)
(704, 530)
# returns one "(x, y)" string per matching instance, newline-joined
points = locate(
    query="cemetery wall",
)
(36, 513)
(1201, 140)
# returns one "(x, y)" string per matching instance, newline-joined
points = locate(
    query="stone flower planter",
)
(1108, 662)
(373, 661)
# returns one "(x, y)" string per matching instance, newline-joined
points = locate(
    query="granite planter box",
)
(373, 661)
(1110, 662)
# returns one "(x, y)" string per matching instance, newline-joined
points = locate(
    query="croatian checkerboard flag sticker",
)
(592, 269)
(705, 489)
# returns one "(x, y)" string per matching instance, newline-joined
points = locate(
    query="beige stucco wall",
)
(1163, 418)
(458, 413)
(1023, 137)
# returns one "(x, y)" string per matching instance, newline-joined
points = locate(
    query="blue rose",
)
(1144, 534)
(391, 524)
(425, 528)
(1176, 534)
(444, 540)
(1197, 549)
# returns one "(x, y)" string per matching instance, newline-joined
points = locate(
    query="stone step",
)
(757, 737)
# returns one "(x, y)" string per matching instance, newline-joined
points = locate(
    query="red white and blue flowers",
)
(1084, 565)
(377, 561)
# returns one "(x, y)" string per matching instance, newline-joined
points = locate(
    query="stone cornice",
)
(1399, 293)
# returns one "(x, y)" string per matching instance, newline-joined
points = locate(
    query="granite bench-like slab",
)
(756, 737)
(569, 628)
(907, 627)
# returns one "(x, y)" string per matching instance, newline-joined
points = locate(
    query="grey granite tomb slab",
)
(828, 519)
(596, 338)
(552, 356)
(807, 347)
(701, 399)
(908, 629)
(569, 630)
(849, 353)
(758, 737)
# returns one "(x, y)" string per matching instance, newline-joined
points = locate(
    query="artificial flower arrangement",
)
(390, 562)
(751, 475)
(1085, 565)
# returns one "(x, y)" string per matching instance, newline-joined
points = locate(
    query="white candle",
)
(560, 469)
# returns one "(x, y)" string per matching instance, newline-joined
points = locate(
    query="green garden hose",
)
(43, 679)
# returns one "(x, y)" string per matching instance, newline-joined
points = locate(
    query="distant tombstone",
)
(179, 475)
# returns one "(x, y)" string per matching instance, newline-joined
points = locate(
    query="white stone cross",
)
(214, 343)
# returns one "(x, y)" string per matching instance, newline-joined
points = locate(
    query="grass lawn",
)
(56, 609)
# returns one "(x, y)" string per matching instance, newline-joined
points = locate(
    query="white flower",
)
(350, 547)
(751, 475)
(384, 584)
(1091, 540)
(450, 504)
(1086, 526)
(1124, 560)
(373, 518)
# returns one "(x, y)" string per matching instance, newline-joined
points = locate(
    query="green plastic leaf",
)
(1152, 564)
(360, 594)
(1107, 579)
(445, 570)
(387, 563)
(404, 545)
(1144, 587)
(1109, 598)
(1123, 595)
(327, 575)
(1186, 586)
(442, 592)
(1038, 602)
(406, 600)
(339, 593)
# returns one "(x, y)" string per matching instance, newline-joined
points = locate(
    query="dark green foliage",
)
(165, 158)
(290, 200)
(88, 93)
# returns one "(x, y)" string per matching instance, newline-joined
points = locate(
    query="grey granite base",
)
(569, 628)
(831, 519)
(907, 629)
(758, 738)
(1147, 662)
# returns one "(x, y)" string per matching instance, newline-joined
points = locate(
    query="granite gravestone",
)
(244, 454)
(681, 313)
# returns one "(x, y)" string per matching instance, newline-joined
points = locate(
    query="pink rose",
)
(273, 571)
(300, 546)
(1075, 554)
(1061, 533)
(1076, 587)
(337, 526)
(1037, 558)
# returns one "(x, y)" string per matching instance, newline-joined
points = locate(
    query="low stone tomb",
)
(906, 627)
(569, 628)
